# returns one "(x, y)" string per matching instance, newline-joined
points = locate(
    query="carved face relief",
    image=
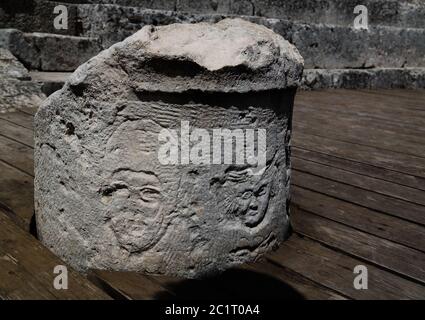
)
(135, 210)
(245, 196)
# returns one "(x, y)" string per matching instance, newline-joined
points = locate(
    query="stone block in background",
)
(10, 66)
(36, 16)
(322, 46)
(16, 91)
(49, 52)
(106, 200)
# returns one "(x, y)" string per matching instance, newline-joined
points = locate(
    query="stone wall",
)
(322, 31)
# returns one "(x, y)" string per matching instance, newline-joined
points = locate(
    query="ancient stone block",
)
(16, 91)
(131, 171)
(11, 67)
(36, 16)
(49, 52)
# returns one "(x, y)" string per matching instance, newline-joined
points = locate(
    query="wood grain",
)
(26, 269)
(361, 218)
(396, 257)
(334, 270)
(17, 195)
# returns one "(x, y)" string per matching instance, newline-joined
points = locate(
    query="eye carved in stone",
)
(149, 194)
(247, 195)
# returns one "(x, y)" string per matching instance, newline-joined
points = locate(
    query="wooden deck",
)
(358, 198)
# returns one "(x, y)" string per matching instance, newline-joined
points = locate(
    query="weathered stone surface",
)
(322, 46)
(394, 13)
(50, 81)
(377, 78)
(112, 23)
(103, 197)
(36, 16)
(14, 92)
(10, 66)
(49, 52)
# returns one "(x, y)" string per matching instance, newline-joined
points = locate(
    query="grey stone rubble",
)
(16, 91)
(103, 198)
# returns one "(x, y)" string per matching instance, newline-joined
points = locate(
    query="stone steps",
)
(49, 52)
(376, 78)
(335, 55)
(49, 81)
(406, 14)
(36, 16)
(322, 46)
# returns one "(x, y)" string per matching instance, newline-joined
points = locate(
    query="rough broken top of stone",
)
(232, 55)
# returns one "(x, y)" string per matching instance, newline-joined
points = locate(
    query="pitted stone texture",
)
(17, 94)
(36, 16)
(104, 200)
(376, 78)
(231, 55)
(49, 52)
(16, 91)
(11, 67)
(322, 46)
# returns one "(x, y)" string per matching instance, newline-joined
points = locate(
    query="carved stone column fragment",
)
(169, 152)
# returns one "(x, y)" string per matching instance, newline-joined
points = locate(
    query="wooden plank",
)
(407, 98)
(364, 182)
(197, 289)
(335, 270)
(237, 283)
(365, 198)
(361, 218)
(19, 118)
(26, 269)
(17, 133)
(349, 105)
(308, 112)
(138, 286)
(396, 257)
(17, 195)
(17, 155)
(130, 285)
(268, 280)
(362, 103)
(382, 158)
(384, 98)
(339, 129)
(306, 288)
(29, 110)
(404, 96)
(361, 168)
